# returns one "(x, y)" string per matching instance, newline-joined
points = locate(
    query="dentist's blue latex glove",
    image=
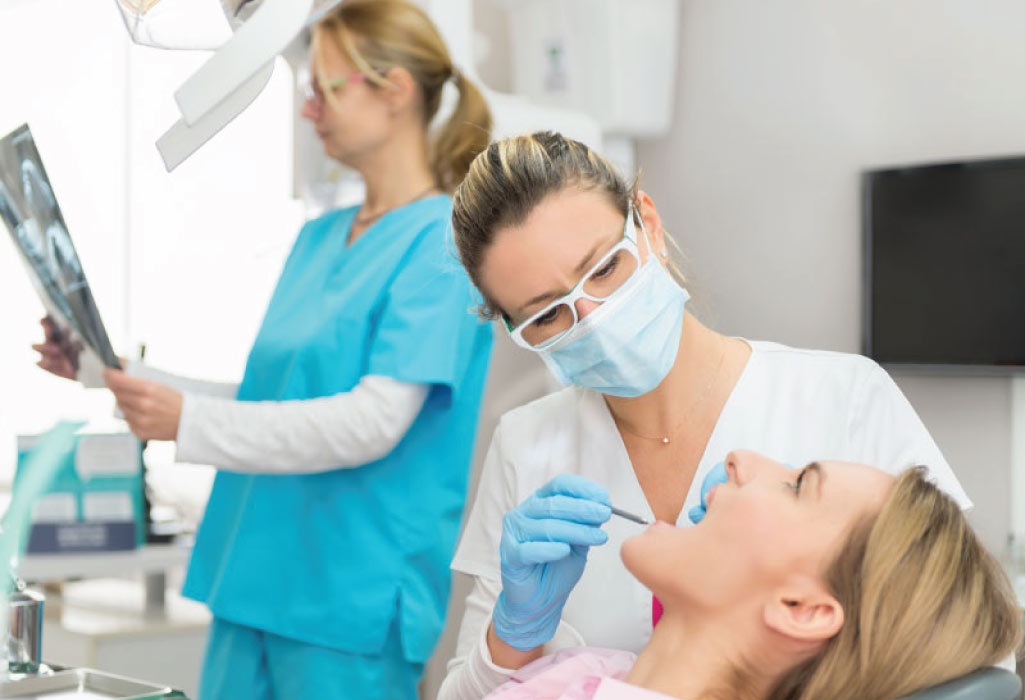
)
(716, 476)
(544, 547)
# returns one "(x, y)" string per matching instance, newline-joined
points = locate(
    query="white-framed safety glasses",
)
(605, 278)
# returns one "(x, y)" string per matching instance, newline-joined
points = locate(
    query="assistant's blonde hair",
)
(513, 176)
(924, 603)
(375, 35)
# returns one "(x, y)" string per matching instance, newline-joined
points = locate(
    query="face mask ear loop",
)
(638, 221)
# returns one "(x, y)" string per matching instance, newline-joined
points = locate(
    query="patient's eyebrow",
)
(820, 475)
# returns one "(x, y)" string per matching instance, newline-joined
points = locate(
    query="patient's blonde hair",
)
(514, 175)
(375, 35)
(924, 603)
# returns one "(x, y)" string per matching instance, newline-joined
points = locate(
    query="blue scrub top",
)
(331, 558)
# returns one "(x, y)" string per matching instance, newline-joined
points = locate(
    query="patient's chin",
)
(641, 555)
(632, 553)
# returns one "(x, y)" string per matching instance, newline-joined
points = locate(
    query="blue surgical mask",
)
(626, 346)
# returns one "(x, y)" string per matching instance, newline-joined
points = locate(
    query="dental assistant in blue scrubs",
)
(344, 454)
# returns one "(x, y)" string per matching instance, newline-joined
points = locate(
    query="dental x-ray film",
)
(29, 209)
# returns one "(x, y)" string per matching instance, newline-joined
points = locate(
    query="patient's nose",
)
(744, 465)
(737, 467)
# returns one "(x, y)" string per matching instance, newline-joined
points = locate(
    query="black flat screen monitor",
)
(944, 264)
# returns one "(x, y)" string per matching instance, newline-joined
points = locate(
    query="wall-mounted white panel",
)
(614, 60)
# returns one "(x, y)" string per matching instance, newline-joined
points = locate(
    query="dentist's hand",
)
(716, 476)
(544, 547)
(152, 410)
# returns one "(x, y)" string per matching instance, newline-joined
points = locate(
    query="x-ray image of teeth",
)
(29, 209)
(32, 245)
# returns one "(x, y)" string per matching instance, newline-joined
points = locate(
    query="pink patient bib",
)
(575, 674)
(656, 610)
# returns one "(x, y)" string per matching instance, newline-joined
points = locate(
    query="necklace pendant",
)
(665, 441)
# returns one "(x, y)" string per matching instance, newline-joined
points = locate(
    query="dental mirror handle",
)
(630, 516)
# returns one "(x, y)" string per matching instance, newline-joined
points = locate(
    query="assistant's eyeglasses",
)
(313, 92)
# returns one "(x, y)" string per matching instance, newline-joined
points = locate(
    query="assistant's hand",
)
(544, 547)
(151, 409)
(716, 476)
(59, 355)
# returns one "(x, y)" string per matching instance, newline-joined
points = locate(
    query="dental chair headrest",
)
(984, 684)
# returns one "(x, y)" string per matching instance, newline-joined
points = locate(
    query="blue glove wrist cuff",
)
(524, 632)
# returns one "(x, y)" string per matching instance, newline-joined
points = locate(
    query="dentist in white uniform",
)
(574, 262)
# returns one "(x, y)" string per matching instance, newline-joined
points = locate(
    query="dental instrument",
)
(630, 516)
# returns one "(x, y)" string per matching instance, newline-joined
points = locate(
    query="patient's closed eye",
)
(815, 467)
(796, 485)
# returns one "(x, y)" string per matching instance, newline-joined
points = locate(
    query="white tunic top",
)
(795, 406)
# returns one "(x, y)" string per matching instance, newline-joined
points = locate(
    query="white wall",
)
(74, 106)
(780, 106)
(184, 262)
(491, 19)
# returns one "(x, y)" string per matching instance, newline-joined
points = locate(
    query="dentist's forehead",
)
(544, 252)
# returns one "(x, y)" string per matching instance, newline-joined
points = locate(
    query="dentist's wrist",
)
(524, 630)
(507, 657)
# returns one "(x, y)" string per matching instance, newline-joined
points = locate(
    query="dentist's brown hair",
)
(514, 175)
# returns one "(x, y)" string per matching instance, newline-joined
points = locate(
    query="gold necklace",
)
(371, 219)
(665, 439)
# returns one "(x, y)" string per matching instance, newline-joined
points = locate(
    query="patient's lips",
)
(660, 523)
(711, 496)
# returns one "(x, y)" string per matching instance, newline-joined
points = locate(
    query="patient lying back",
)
(834, 581)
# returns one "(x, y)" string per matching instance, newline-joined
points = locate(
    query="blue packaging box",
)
(95, 502)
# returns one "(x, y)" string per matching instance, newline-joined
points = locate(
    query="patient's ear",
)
(804, 611)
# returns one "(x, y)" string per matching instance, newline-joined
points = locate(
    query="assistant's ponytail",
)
(465, 134)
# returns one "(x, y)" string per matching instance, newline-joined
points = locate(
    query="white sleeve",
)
(472, 674)
(299, 437)
(497, 494)
(886, 433)
(186, 385)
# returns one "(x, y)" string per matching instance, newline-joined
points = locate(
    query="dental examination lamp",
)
(247, 35)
